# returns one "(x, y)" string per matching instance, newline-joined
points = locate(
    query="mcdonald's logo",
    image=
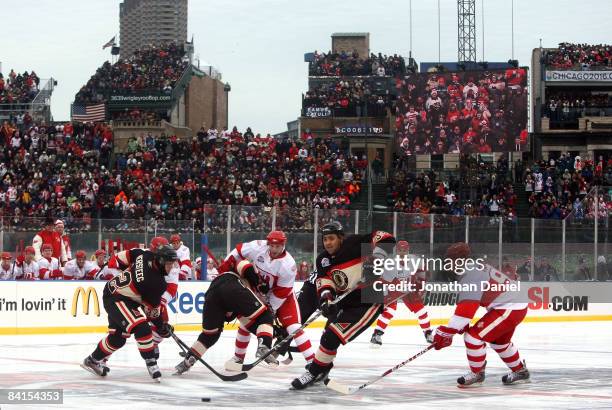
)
(87, 295)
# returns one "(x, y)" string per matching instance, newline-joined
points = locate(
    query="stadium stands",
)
(18, 88)
(344, 64)
(570, 56)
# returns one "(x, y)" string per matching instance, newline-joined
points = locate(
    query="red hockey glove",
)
(443, 337)
(20, 260)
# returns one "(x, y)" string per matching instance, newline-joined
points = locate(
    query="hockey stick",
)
(246, 367)
(344, 389)
(186, 349)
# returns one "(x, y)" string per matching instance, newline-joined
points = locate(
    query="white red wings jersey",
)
(48, 267)
(487, 296)
(185, 266)
(279, 273)
(73, 271)
(67, 248)
(172, 281)
(29, 270)
(12, 272)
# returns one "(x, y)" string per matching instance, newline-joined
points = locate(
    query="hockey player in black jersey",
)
(234, 295)
(132, 299)
(339, 269)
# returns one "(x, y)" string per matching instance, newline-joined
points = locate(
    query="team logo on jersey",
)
(340, 279)
(325, 262)
(260, 259)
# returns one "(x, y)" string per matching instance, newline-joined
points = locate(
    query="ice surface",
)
(570, 363)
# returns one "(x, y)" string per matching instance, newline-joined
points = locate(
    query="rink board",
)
(76, 307)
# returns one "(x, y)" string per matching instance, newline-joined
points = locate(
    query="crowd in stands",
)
(156, 68)
(351, 64)
(558, 187)
(579, 56)
(425, 193)
(569, 106)
(467, 112)
(137, 114)
(349, 98)
(18, 88)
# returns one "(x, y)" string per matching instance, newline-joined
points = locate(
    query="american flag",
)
(111, 42)
(89, 113)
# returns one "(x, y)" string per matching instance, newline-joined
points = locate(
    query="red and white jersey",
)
(172, 282)
(29, 270)
(105, 273)
(73, 271)
(279, 273)
(48, 267)
(185, 265)
(66, 243)
(12, 272)
(487, 294)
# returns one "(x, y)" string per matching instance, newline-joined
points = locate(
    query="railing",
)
(573, 247)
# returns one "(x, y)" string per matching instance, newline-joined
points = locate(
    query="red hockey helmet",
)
(81, 254)
(276, 238)
(459, 250)
(174, 238)
(157, 242)
(403, 246)
(29, 250)
(7, 256)
(100, 252)
(46, 246)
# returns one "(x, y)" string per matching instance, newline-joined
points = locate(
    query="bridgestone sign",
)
(579, 76)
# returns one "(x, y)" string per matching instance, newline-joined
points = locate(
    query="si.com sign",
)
(86, 296)
(540, 298)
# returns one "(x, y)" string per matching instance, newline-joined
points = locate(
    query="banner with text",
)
(604, 76)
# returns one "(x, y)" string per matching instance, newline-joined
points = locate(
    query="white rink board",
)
(59, 306)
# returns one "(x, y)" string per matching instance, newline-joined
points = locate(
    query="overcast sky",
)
(259, 45)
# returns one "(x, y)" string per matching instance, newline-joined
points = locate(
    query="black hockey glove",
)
(165, 330)
(327, 308)
(263, 288)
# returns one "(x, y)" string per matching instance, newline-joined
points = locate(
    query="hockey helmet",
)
(165, 253)
(29, 250)
(174, 238)
(46, 247)
(6, 256)
(333, 227)
(157, 242)
(100, 252)
(276, 238)
(81, 254)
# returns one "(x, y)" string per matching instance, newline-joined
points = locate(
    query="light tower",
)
(466, 31)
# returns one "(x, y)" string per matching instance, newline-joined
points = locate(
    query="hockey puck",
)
(206, 399)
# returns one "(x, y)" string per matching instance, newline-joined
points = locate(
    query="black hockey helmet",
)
(165, 253)
(333, 227)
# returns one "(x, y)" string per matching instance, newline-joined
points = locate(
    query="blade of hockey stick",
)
(225, 378)
(344, 389)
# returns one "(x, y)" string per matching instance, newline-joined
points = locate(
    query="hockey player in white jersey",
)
(8, 268)
(80, 268)
(277, 269)
(184, 256)
(29, 267)
(103, 272)
(48, 264)
(412, 300)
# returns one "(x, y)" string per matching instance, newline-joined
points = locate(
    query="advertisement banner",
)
(358, 130)
(577, 76)
(32, 307)
(318, 112)
(137, 100)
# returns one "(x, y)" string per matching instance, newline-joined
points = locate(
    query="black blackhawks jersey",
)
(143, 281)
(343, 270)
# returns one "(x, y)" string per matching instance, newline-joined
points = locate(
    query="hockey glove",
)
(327, 308)
(263, 288)
(443, 337)
(165, 330)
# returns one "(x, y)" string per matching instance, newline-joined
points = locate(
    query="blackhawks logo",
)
(340, 279)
